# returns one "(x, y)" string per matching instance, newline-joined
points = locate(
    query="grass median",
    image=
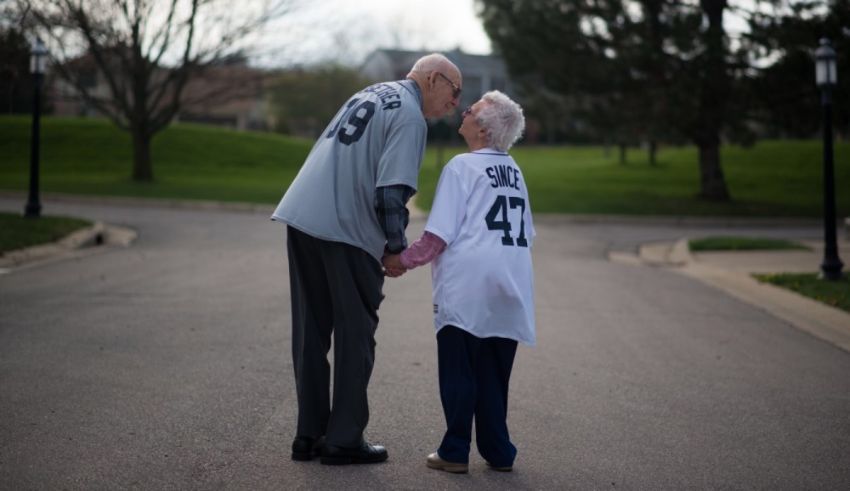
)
(90, 156)
(722, 243)
(18, 232)
(833, 293)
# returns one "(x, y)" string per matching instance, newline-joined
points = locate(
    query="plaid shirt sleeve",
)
(393, 215)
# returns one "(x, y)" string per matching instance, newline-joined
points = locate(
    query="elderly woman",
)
(479, 234)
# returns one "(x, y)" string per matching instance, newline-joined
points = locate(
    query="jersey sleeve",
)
(449, 208)
(529, 220)
(402, 154)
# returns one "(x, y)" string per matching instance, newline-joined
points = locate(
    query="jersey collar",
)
(489, 151)
(412, 87)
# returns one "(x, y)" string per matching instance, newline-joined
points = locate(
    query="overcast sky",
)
(347, 30)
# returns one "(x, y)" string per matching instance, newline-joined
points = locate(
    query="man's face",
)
(444, 94)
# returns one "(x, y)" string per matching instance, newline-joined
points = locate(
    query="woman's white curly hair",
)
(502, 118)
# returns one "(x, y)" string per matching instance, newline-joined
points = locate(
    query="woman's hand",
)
(392, 266)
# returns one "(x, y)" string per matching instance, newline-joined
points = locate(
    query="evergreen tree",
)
(16, 83)
(785, 90)
(637, 70)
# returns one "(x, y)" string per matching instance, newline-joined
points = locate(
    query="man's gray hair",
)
(502, 119)
(430, 63)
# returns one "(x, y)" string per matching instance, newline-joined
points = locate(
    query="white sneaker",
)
(435, 462)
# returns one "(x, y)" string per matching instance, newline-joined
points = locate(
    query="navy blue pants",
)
(474, 376)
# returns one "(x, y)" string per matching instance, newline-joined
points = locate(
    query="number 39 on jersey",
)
(356, 117)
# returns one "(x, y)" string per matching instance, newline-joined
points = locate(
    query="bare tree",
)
(146, 51)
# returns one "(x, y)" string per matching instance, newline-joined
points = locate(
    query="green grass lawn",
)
(773, 178)
(834, 293)
(742, 244)
(90, 156)
(17, 232)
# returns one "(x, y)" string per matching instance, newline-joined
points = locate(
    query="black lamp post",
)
(38, 60)
(826, 77)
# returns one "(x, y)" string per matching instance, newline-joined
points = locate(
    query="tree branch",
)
(79, 16)
(164, 34)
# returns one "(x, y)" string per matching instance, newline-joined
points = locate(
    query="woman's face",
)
(470, 130)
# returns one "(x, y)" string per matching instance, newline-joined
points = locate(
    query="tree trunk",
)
(142, 168)
(712, 183)
(714, 92)
(550, 129)
(622, 154)
(12, 98)
(653, 150)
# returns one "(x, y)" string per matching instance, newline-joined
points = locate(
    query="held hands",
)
(392, 266)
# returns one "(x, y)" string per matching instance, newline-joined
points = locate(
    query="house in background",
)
(481, 73)
(233, 94)
(63, 96)
(229, 93)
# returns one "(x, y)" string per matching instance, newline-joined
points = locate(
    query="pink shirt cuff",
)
(423, 251)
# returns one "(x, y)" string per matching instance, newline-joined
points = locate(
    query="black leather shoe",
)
(306, 447)
(507, 468)
(366, 453)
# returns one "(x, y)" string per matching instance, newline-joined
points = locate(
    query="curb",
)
(822, 321)
(665, 254)
(174, 204)
(96, 235)
(418, 214)
(177, 204)
(680, 253)
(675, 221)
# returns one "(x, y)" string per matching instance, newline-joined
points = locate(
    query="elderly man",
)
(344, 211)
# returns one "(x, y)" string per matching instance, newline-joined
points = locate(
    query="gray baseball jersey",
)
(376, 139)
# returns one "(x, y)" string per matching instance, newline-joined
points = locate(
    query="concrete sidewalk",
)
(733, 272)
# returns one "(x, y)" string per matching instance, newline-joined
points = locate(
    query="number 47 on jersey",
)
(497, 219)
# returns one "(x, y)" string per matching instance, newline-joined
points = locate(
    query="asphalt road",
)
(166, 365)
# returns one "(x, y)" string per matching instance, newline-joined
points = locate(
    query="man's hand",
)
(392, 266)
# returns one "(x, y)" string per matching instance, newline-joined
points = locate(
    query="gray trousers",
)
(336, 290)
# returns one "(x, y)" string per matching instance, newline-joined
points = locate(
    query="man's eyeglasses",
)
(455, 89)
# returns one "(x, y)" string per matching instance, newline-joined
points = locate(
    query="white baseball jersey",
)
(483, 282)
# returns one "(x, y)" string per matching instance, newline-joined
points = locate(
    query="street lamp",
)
(826, 77)
(38, 60)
